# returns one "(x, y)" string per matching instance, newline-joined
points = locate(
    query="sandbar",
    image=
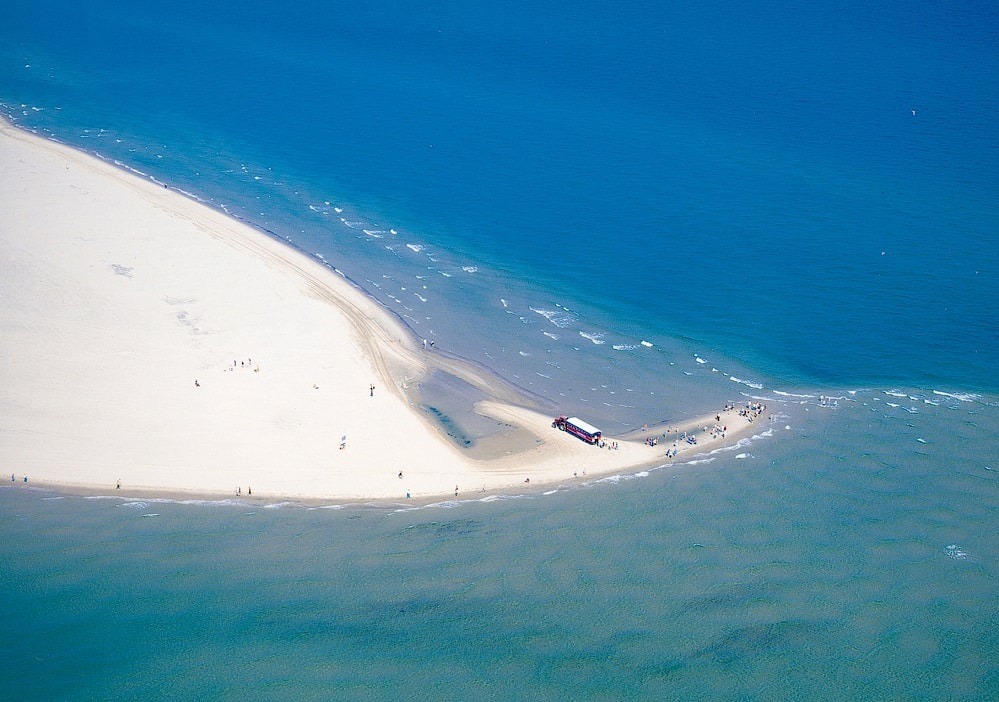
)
(151, 344)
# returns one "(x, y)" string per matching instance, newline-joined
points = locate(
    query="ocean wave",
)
(959, 396)
(595, 337)
(561, 318)
(699, 359)
(696, 461)
(416, 248)
(755, 386)
(134, 505)
(624, 347)
(470, 269)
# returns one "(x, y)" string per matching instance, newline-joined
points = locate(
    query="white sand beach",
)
(148, 339)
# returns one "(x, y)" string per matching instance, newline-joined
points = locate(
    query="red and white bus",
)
(577, 427)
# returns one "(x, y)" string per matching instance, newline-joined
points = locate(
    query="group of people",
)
(718, 431)
(752, 410)
(248, 363)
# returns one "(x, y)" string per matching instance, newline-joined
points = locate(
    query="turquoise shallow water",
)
(840, 549)
(786, 204)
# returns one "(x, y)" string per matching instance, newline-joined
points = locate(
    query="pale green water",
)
(839, 559)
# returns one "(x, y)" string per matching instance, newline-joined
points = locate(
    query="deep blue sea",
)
(634, 213)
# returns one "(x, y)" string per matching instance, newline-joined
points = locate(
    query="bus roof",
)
(576, 421)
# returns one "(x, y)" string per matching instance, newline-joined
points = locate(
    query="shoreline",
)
(125, 303)
(581, 477)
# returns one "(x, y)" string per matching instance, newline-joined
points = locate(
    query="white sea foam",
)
(956, 552)
(960, 396)
(373, 233)
(696, 461)
(699, 359)
(791, 394)
(417, 248)
(756, 386)
(895, 393)
(279, 505)
(135, 505)
(504, 303)
(470, 269)
(624, 347)
(550, 335)
(595, 337)
(743, 455)
(189, 194)
(561, 318)
(646, 344)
